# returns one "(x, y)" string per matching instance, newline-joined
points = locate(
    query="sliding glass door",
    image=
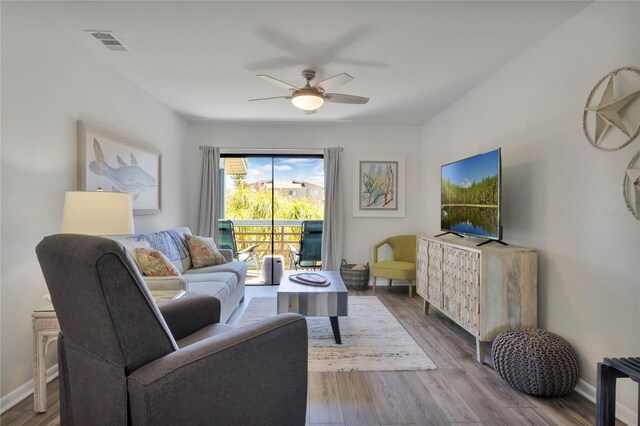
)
(267, 200)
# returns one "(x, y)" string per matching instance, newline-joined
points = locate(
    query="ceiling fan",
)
(310, 98)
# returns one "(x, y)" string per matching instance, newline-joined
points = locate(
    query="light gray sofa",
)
(225, 282)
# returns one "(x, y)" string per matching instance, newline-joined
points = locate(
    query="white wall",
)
(47, 84)
(360, 233)
(560, 195)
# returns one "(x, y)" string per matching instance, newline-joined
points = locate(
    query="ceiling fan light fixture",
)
(307, 101)
(309, 98)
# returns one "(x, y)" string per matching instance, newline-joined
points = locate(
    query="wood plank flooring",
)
(458, 392)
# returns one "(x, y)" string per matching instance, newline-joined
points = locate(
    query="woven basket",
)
(354, 280)
(536, 362)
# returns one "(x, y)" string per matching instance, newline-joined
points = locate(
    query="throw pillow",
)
(203, 251)
(154, 264)
(131, 245)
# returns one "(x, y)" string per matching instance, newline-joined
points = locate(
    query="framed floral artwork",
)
(378, 186)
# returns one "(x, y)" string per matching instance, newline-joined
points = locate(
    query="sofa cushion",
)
(203, 251)
(238, 268)
(227, 278)
(216, 289)
(172, 244)
(130, 244)
(227, 253)
(153, 263)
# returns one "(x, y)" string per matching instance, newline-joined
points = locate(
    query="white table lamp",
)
(97, 213)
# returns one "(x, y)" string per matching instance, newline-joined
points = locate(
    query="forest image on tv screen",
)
(470, 195)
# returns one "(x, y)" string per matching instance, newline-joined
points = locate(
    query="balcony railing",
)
(286, 233)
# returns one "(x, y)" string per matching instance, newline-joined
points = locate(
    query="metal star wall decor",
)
(634, 176)
(610, 110)
(631, 186)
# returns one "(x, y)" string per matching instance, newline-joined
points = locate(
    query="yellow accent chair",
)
(403, 265)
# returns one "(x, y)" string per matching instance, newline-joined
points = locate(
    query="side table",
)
(609, 370)
(45, 331)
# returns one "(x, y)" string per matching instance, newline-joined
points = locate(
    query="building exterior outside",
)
(293, 188)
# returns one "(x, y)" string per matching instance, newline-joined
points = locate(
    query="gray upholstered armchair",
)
(122, 360)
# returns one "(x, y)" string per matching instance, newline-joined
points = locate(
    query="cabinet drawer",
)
(461, 287)
(434, 274)
(421, 267)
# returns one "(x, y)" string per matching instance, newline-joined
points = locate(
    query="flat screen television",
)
(470, 196)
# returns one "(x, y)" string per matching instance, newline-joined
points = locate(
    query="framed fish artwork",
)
(115, 164)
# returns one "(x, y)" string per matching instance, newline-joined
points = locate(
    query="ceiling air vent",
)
(109, 39)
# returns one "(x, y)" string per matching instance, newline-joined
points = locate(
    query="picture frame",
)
(378, 185)
(631, 186)
(116, 164)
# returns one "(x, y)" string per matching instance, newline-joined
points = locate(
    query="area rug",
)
(372, 338)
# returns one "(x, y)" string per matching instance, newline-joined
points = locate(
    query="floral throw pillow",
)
(131, 245)
(154, 264)
(204, 251)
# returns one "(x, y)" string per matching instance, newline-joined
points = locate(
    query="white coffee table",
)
(313, 301)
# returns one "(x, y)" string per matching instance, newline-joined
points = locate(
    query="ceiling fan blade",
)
(277, 82)
(339, 98)
(309, 112)
(266, 99)
(334, 82)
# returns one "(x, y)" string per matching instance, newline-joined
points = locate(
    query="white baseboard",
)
(22, 392)
(623, 413)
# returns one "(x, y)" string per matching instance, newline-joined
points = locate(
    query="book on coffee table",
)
(310, 278)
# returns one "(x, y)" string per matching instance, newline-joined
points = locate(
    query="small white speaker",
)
(272, 269)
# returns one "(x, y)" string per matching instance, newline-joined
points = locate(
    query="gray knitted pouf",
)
(536, 362)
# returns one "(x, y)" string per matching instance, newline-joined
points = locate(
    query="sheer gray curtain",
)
(209, 192)
(332, 224)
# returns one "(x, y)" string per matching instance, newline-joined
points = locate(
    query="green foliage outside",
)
(484, 193)
(247, 203)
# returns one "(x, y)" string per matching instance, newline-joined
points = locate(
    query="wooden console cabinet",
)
(485, 290)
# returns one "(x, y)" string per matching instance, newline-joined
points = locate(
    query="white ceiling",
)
(411, 58)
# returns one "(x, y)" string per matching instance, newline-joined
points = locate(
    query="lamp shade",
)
(97, 213)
